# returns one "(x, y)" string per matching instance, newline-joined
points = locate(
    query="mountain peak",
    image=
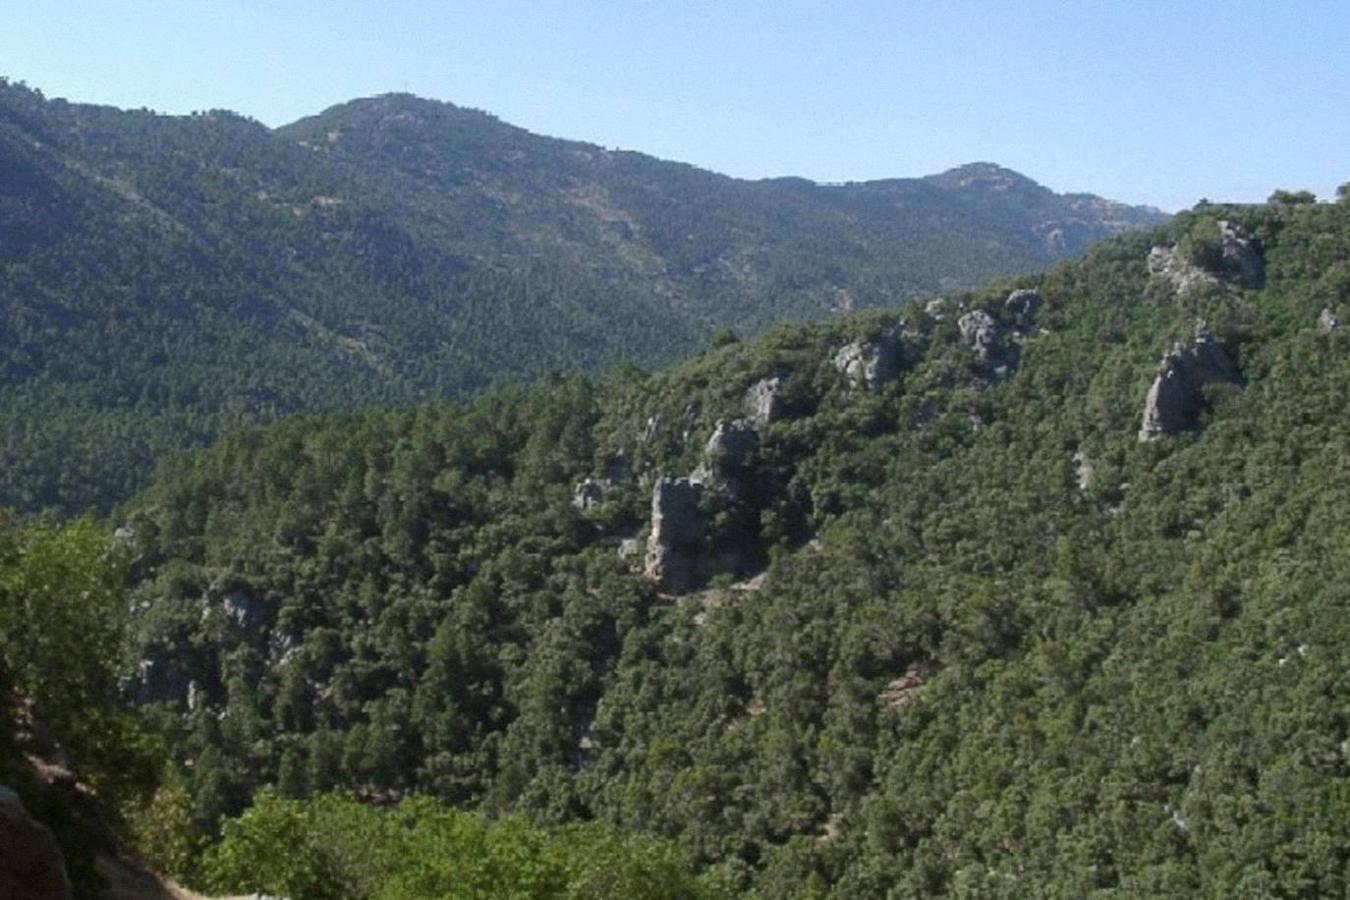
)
(983, 176)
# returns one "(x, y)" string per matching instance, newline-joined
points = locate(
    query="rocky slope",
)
(895, 604)
(165, 279)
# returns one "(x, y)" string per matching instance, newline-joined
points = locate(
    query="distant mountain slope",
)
(166, 279)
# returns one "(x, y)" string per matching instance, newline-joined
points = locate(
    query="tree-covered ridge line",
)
(997, 642)
(165, 280)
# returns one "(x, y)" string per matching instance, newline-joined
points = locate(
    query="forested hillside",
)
(1040, 590)
(164, 280)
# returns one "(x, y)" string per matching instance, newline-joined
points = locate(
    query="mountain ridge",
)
(165, 279)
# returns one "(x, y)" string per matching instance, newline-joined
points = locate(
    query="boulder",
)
(1328, 320)
(675, 546)
(1176, 399)
(763, 401)
(31, 864)
(868, 365)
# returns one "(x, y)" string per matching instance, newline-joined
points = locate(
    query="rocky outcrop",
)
(1328, 320)
(1167, 267)
(1083, 469)
(981, 333)
(986, 336)
(1176, 398)
(939, 309)
(676, 545)
(726, 457)
(1241, 256)
(588, 493)
(900, 691)
(869, 364)
(763, 401)
(592, 491)
(1236, 260)
(31, 864)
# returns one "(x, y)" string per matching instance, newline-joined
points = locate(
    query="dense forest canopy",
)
(1036, 590)
(165, 280)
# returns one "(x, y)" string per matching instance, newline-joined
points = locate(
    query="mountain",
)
(164, 280)
(1038, 590)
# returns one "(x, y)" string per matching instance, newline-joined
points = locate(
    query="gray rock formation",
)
(31, 864)
(1176, 399)
(1242, 259)
(938, 310)
(763, 401)
(867, 365)
(981, 333)
(987, 337)
(588, 493)
(1021, 308)
(1328, 320)
(675, 547)
(1083, 469)
(726, 456)
(1166, 266)
(649, 430)
(245, 613)
(1239, 262)
(729, 448)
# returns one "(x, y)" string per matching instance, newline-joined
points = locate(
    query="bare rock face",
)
(726, 457)
(729, 448)
(1175, 400)
(1239, 261)
(675, 548)
(763, 401)
(1328, 320)
(984, 334)
(1166, 266)
(868, 365)
(981, 333)
(31, 864)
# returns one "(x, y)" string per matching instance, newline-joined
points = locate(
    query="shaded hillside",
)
(1040, 590)
(166, 279)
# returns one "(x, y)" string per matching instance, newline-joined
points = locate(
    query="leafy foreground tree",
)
(63, 630)
(333, 848)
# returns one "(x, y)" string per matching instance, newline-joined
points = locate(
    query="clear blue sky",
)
(1154, 102)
